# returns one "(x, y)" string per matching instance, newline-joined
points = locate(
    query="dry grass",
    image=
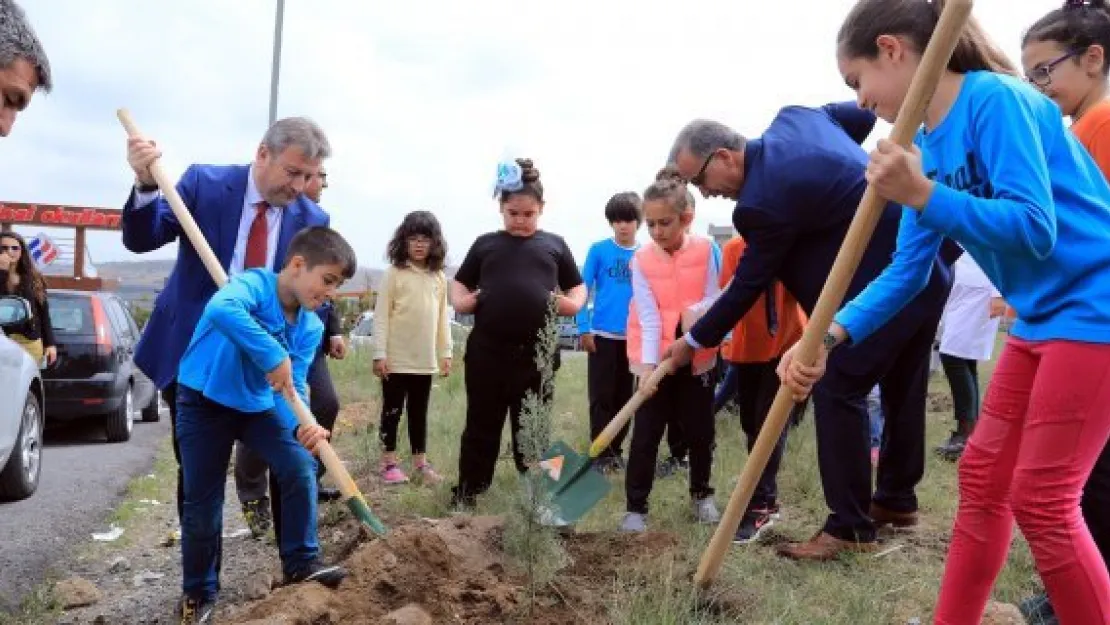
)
(891, 588)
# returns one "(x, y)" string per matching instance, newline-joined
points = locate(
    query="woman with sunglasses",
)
(1064, 54)
(19, 276)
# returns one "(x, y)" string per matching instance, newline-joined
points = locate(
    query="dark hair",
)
(418, 223)
(916, 20)
(624, 206)
(320, 245)
(670, 187)
(1078, 25)
(25, 267)
(530, 176)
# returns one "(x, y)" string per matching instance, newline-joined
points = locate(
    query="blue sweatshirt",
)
(608, 275)
(241, 335)
(1022, 196)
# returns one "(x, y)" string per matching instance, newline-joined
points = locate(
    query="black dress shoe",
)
(327, 493)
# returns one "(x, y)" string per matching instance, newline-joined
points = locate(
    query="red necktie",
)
(256, 238)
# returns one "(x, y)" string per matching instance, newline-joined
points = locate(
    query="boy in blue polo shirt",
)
(608, 275)
(255, 340)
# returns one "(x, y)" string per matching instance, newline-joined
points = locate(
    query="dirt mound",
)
(455, 572)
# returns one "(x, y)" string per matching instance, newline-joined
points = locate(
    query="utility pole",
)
(276, 66)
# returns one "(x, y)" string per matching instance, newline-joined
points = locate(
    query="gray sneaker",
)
(634, 522)
(705, 511)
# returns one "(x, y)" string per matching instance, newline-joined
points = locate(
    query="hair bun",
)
(670, 173)
(528, 173)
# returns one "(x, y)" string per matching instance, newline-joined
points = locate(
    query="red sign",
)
(61, 216)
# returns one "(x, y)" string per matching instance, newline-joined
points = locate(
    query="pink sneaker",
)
(392, 474)
(427, 474)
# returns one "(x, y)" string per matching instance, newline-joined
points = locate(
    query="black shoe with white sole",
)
(753, 525)
(316, 571)
(191, 610)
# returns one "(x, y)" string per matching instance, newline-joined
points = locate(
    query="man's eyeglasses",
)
(10, 248)
(699, 178)
(1041, 75)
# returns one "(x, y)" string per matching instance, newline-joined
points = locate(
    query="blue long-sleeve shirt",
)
(607, 273)
(803, 179)
(243, 334)
(1022, 196)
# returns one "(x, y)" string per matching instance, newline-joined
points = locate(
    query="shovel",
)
(351, 494)
(933, 62)
(569, 477)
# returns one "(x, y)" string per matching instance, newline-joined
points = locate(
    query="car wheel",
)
(119, 423)
(20, 477)
(151, 414)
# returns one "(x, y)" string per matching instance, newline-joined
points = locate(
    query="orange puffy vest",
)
(678, 282)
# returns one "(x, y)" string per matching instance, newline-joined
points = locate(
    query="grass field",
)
(898, 584)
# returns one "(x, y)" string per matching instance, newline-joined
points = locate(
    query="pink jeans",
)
(1045, 419)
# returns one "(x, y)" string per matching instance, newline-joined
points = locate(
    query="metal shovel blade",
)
(574, 485)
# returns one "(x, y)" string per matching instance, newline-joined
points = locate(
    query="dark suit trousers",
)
(897, 359)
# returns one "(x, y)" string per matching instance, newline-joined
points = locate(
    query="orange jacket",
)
(751, 339)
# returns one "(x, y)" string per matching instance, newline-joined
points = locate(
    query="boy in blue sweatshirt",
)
(254, 341)
(608, 276)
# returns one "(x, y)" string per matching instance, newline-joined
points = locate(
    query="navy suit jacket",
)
(214, 196)
(804, 179)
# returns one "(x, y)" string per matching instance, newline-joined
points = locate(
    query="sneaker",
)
(316, 571)
(190, 610)
(953, 449)
(752, 526)
(705, 511)
(670, 466)
(609, 465)
(392, 474)
(257, 514)
(426, 474)
(1038, 611)
(633, 522)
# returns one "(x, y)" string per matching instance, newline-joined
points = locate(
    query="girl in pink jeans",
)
(996, 170)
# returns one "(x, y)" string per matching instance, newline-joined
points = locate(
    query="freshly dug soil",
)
(454, 570)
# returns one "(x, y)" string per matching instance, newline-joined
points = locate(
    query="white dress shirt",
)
(250, 199)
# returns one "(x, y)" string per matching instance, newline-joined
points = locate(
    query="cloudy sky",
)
(421, 99)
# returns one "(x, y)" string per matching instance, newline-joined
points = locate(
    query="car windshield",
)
(70, 315)
(11, 311)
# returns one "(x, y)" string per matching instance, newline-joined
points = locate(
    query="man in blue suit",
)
(247, 213)
(796, 189)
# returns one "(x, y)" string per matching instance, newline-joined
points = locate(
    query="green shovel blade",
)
(574, 485)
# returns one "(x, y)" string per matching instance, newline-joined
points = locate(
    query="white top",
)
(967, 328)
(647, 307)
(250, 199)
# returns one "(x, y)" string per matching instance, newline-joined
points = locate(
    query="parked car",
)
(21, 415)
(362, 335)
(94, 376)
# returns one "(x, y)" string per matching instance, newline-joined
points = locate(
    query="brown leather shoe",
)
(885, 516)
(823, 547)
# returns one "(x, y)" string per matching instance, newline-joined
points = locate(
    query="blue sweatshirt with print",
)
(1024, 198)
(607, 273)
(242, 334)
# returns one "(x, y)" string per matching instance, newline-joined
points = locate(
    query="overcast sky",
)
(420, 99)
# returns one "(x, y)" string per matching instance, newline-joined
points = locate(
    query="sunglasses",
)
(10, 248)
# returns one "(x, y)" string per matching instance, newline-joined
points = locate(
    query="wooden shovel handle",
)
(625, 415)
(327, 455)
(910, 116)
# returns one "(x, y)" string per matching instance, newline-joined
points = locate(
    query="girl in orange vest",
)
(674, 279)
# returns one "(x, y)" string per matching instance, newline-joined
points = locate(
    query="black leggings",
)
(399, 390)
(963, 378)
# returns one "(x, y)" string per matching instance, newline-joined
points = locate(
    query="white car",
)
(21, 407)
(362, 335)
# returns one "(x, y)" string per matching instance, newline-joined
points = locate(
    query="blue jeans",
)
(727, 389)
(206, 432)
